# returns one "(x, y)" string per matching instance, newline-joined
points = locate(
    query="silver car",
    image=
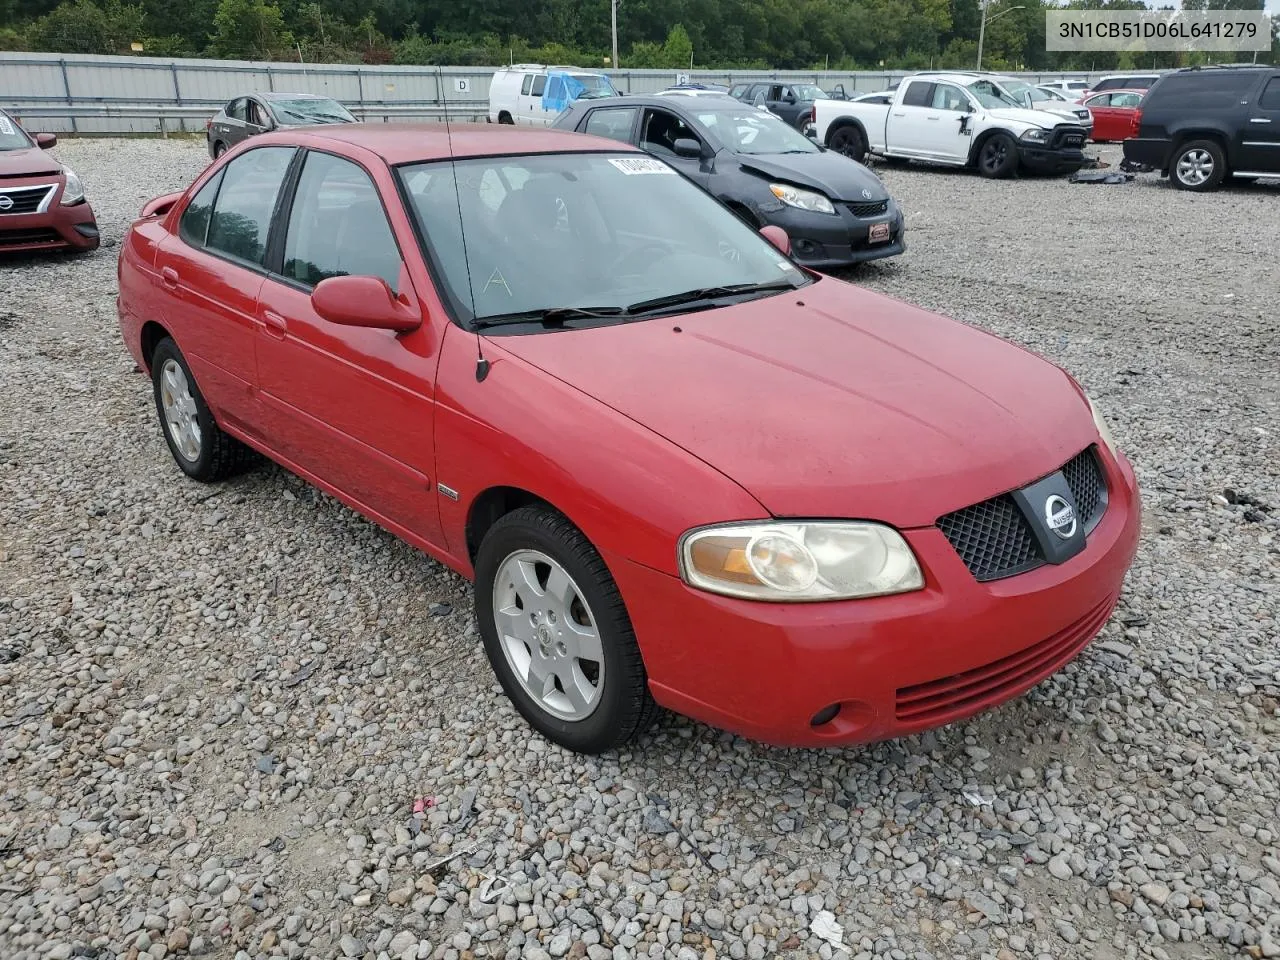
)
(256, 113)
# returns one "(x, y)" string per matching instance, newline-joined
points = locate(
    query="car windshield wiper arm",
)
(548, 317)
(707, 293)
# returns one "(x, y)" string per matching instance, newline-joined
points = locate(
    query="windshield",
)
(754, 132)
(311, 111)
(594, 86)
(990, 96)
(807, 91)
(595, 231)
(12, 136)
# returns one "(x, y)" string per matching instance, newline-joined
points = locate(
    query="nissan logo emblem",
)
(1060, 517)
(5, 202)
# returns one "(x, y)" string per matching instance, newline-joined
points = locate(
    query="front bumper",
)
(55, 227)
(822, 241)
(1046, 160)
(894, 665)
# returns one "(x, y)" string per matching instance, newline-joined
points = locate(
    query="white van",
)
(533, 94)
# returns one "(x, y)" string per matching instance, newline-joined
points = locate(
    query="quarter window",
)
(194, 224)
(242, 214)
(337, 226)
(614, 123)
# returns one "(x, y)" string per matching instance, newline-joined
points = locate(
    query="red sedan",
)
(42, 204)
(1114, 113)
(680, 469)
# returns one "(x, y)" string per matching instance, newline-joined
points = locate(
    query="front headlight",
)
(1036, 135)
(824, 560)
(801, 199)
(1103, 430)
(73, 192)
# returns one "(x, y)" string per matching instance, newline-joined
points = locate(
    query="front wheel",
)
(998, 157)
(850, 142)
(1198, 165)
(557, 633)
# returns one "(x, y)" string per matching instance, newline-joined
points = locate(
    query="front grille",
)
(869, 209)
(1064, 133)
(20, 238)
(1088, 489)
(993, 538)
(24, 199)
(949, 698)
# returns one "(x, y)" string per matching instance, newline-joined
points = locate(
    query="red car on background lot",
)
(680, 469)
(1114, 114)
(42, 203)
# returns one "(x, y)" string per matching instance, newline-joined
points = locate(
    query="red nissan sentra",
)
(42, 204)
(680, 469)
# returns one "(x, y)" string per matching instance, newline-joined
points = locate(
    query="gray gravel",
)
(219, 706)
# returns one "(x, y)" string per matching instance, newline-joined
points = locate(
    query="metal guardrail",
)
(164, 114)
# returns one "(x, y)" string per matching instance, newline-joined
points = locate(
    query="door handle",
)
(276, 325)
(1259, 120)
(899, 114)
(934, 117)
(169, 277)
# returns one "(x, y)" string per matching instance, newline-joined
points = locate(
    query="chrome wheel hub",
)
(1195, 167)
(548, 635)
(179, 405)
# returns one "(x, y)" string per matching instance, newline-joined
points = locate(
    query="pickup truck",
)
(954, 119)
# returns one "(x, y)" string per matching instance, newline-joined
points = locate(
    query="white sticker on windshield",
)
(638, 165)
(5, 126)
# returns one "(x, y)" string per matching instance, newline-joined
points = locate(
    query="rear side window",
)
(919, 94)
(1270, 99)
(1204, 89)
(528, 82)
(194, 224)
(242, 214)
(1125, 99)
(539, 85)
(612, 122)
(337, 226)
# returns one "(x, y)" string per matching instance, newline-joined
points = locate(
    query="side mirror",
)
(778, 237)
(362, 302)
(46, 140)
(687, 147)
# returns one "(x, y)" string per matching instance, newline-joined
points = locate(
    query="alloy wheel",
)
(180, 415)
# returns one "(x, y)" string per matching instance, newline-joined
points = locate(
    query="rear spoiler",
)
(159, 206)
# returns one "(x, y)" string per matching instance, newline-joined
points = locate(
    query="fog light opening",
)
(825, 715)
(87, 229)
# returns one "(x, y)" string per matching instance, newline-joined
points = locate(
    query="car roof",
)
(411, 142)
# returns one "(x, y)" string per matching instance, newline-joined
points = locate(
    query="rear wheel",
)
(219, 148)
(1198, 165)
(557, 633)
(849, 141)
(998, 156)
(505, 117)
(198, 446)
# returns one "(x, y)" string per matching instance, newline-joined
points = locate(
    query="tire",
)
(998, 156)
(199, 447)
(517, 560)
(849, 141)
(1198, 165)
(219, 148)
(505, 117)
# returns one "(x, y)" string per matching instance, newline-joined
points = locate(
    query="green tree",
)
(85, 27)
(249, 30)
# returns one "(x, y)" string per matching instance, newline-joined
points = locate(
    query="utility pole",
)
(982, 31)
(613, 18)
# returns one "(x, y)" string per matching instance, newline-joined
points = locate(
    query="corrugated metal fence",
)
(84, 94)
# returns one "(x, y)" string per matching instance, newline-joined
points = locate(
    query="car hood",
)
(1038, 118)
(832, 401)
(1071, 114)
(30, 162)
(834, 174)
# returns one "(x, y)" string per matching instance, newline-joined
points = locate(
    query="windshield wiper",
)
(548, 317)
(692, 297)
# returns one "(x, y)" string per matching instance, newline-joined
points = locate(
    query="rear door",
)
(353, 407)
(210, 274)
(232, 126)
(1260, 139)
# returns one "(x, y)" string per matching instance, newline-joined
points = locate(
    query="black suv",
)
(1200, 125)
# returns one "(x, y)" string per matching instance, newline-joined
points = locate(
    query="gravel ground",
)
(221, 707)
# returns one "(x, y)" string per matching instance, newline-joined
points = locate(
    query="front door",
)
(946, 128)
(352, 406)
(210, 275)
(659, 131)
(1260, 139)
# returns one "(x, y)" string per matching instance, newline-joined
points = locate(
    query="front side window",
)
(194, 225)
(242, 213)
(337, 226)
(946, 96)
(612, 122)
(662, 130)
